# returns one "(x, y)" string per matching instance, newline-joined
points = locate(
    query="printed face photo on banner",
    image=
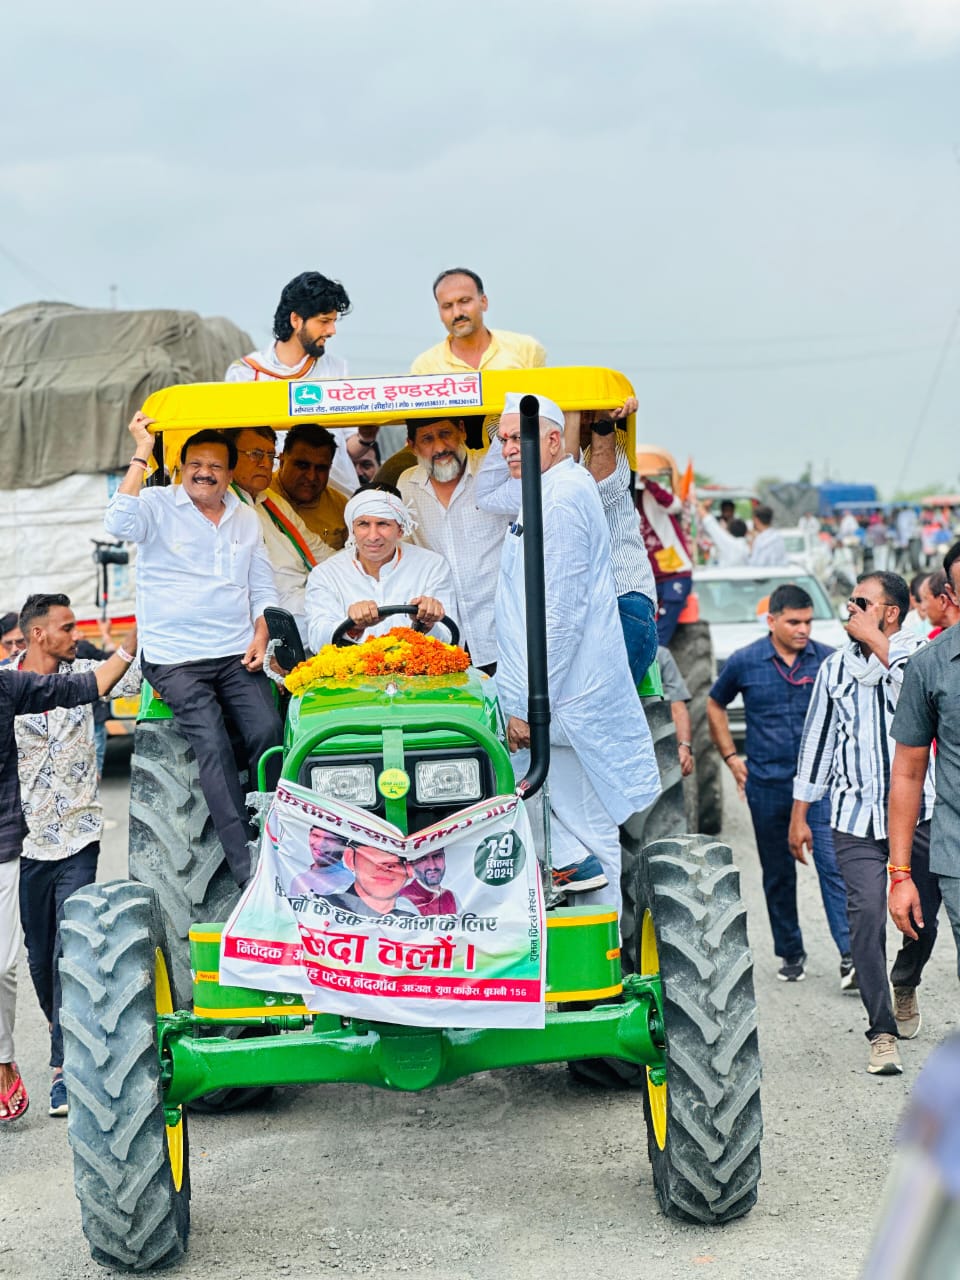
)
(372, 881)
(441, 927)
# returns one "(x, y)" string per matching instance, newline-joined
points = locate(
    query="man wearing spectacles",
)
(11, 638)
(846, 752)
(775, 676)
(293, 549)
(203, 582)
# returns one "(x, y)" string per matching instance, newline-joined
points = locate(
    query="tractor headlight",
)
(447, 781)
(351, 783)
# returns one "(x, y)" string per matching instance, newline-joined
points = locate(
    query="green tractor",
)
(660, 1001)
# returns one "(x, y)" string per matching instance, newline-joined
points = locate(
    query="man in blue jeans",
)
(60, 797)
(775, 676)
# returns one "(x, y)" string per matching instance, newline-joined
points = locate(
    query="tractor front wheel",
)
(703, 1121)
(130, 1157)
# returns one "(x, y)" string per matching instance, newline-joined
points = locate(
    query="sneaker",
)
(792, 970)
(580, 876)
(884, 1056)
(58, 1097)
(848, 975)
(906, 1010)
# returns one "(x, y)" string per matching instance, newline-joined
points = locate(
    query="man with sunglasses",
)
(775, 676)
(928, 711)
(846, 752)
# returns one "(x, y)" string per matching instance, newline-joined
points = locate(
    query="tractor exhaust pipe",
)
(538, 694)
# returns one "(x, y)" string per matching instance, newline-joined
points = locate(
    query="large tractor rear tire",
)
(174, 847)
(692, 649)
(131, 1168)
(175, 850)
(704, 1124)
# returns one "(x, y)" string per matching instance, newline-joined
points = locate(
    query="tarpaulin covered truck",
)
(70, 379)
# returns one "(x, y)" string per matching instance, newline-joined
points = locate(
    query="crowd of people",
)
(329, 531)
(321, 533)
(839, 767)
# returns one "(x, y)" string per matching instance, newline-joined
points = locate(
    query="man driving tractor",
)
(374, 569)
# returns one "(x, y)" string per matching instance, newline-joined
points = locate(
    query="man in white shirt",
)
(469, 344)
(203, 582)
(768, 547)
(604, 455)
(729, 540)
(304, 322)
(441, 493)
(602, 763)
(846, 752)
(375, 568)
(292, 548)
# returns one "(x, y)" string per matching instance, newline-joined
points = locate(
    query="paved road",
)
(518, 1174)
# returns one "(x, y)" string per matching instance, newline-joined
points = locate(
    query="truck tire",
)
(174, 847)
(704, 1124)
(693, 651)
(131, 1171)
(665, 817)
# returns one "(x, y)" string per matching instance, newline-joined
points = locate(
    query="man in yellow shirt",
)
(462, 303)
(303, 480)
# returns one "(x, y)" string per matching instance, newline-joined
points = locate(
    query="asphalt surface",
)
(516, 1174)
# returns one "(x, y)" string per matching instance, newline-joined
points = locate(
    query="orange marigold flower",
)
(402, 651)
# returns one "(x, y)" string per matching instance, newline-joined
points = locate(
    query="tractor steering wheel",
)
(385, 611)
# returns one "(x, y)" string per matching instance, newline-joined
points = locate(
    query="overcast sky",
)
(751, 207)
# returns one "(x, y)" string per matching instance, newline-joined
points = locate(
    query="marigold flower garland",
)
(402, 651)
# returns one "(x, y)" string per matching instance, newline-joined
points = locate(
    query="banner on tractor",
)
(403, 394)
(444, 927)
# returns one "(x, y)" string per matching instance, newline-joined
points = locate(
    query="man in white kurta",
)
(304, 322)
(375, 568)
(293, 549)
(441, 493)
(602, 762)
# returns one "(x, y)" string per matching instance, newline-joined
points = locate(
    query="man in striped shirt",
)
(846, 751)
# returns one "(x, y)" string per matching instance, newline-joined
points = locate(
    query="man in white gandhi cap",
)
(602, 762)
(377, 568)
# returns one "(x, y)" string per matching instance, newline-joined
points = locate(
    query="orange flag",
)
(686, 482)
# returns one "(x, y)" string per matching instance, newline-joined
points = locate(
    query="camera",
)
(110, 553)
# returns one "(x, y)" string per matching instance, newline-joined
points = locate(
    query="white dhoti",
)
(579, 822)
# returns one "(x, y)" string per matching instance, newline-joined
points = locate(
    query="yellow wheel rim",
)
(174, 1131)
(656, 1093)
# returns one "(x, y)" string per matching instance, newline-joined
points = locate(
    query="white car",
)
(807, 551)
(734, 603)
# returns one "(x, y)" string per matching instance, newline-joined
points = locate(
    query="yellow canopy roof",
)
(179, 411)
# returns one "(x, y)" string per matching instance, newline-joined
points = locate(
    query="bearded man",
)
(440, 491)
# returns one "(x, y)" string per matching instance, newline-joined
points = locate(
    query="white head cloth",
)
(382, 506)
(552, 412)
